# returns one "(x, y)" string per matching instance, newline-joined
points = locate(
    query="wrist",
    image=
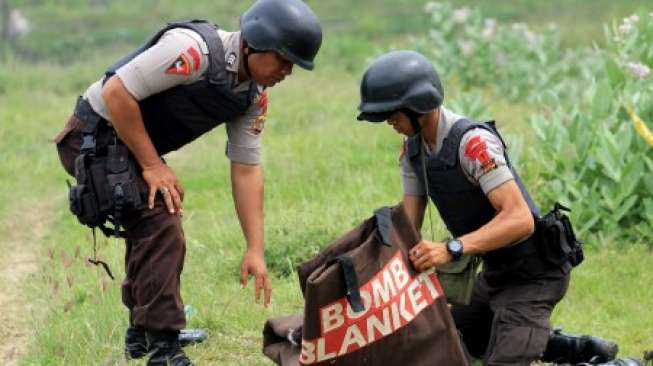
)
(455, 248)
(258, 251)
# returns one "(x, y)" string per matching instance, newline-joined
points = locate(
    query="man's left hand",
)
(427, 254)
(253, 264)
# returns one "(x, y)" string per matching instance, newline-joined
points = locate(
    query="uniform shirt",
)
(481, 157)
(181, 57)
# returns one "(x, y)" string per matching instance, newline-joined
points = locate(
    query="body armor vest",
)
(181, 114)
(462, 205)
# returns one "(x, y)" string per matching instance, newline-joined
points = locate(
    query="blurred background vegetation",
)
(556, 75)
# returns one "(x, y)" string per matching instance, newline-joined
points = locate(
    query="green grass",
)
(325, 172)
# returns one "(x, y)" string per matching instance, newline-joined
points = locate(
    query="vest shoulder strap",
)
(449, 152)
(216, 72)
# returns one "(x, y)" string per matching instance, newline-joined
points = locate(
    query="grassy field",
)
(325, 172)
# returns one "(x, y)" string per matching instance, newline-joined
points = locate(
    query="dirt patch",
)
(19, 247)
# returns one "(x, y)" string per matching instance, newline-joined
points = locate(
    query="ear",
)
(246, 49)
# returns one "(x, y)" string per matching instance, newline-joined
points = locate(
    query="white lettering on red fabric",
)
(391, 299)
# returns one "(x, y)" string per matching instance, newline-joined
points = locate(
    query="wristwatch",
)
(455, 248)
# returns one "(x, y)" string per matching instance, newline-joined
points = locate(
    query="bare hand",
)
(161, 178)
(427, 254)
(253, 264)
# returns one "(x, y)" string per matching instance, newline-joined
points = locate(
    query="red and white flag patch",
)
(181, 66)
(476, 149)
(197, 59)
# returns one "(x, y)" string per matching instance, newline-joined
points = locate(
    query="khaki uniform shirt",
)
(181, 57)
(481, 157)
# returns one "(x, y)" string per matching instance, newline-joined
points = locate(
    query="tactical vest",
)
(462, 205)
(181, 114)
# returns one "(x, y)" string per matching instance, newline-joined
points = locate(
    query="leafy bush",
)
(591, 154)
(586, 152)
(512, 59)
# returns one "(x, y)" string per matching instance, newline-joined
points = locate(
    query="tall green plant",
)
(512, 59)
(592, 156)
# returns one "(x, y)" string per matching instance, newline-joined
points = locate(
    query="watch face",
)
(455, 246)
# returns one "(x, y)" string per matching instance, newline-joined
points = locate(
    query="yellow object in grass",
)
(640, 126)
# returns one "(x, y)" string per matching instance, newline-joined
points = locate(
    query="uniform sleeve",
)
(482, 159)
(174, 60)
(245, 133)
(410, 182)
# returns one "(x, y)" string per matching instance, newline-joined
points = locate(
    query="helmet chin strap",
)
(413, 117)
(250, 52)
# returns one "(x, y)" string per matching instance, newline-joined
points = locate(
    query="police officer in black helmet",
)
(461, 165)
(187, 79)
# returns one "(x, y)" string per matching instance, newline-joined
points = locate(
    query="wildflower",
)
(501, 59)
(519, 26)
(460, 15)
(531, 38)
(633, 18)
(490, 29)
(625, 28)
(19, 25)
(466, 48)
(431, 6)
(638, 70)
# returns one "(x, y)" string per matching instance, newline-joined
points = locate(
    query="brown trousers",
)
(155, 250)
(507, 321)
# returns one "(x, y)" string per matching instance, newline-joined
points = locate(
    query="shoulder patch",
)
(197, 59)
(181, 66)
(476, 149)
(259, 121)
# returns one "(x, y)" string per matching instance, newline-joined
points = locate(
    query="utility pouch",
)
(457, 278)
(557, 242)
(82, 197)
(83, 205)
(106, 187)
(122, 179)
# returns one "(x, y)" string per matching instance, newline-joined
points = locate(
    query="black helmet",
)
(286, 26)
(399, 80)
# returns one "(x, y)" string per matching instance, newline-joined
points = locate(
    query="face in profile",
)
(401, 123)
(269, 68)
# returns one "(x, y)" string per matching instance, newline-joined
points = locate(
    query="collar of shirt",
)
(445, 122)
(232, 55)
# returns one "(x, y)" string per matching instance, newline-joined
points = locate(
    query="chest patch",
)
(231, 59)
(259, 122)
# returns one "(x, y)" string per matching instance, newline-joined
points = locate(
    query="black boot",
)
(575, 349)
(165, 349)
(618, 362)
(136, 344)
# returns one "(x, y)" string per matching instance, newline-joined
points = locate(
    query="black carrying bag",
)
(556, 239)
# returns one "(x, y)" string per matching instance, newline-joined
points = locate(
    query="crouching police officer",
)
(462, 166)
(186, 80)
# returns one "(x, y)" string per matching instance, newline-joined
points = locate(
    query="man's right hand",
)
(162, 178)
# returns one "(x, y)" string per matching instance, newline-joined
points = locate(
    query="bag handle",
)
(351, 282)
(383, 221)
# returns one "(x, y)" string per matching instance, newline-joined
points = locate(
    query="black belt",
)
(510, 254)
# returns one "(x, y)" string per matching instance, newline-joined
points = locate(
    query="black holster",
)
(107, 177)
(556, 240)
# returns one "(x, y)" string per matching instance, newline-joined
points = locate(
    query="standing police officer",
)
(462, 165)
(186, 80)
